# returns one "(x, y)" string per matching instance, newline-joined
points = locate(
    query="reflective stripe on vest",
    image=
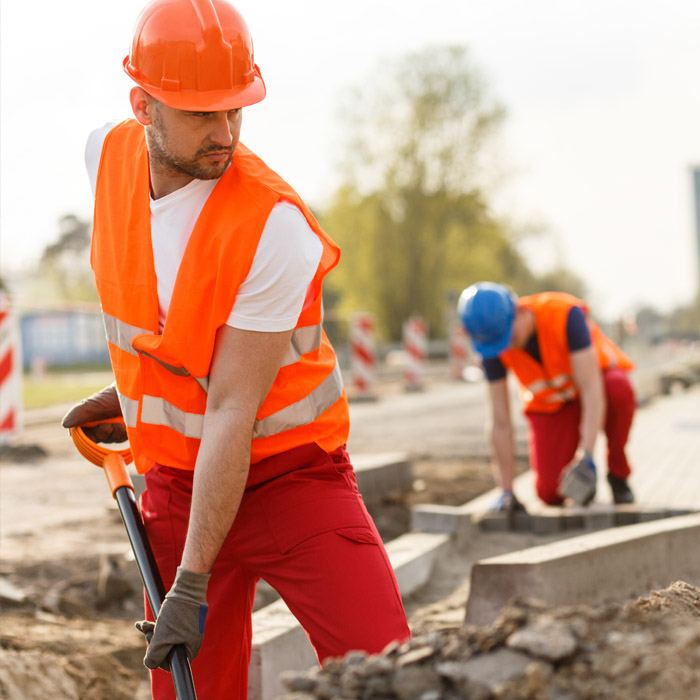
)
(121, 334)
(130, 410)
(158, 411)
(555, 385)
(304, 411)
(304, 340)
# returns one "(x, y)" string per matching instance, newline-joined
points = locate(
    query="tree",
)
(65, 263)
(412, 216)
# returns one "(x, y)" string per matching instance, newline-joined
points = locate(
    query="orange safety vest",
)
(162, 377)
(546, 387)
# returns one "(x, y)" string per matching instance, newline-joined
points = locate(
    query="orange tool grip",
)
(116, 472)
(93, 451)
(112, 461)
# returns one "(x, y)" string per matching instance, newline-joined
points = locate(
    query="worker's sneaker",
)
(621, 491)
(578, 482)
(507, 503)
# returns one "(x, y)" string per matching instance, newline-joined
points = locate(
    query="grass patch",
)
(58, 388)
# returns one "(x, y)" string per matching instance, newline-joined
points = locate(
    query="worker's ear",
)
(142, 105)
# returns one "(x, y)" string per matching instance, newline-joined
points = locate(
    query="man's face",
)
(523, 327)
(199, 145)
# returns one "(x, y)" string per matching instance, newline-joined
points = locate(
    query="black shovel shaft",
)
(152, 582)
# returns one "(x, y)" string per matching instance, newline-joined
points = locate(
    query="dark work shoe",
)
(621, 491)
(507, 503)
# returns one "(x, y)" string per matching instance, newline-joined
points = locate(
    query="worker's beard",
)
(161, 156)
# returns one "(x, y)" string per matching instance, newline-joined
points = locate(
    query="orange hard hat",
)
(195, 55)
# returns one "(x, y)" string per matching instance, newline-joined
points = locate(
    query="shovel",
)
(114, 464)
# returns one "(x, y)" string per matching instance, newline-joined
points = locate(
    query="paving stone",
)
(437, 518)
(626, 515)
(648, 514)
(547, 524)
(573, 518)
(522, 522)
(492, 522)
(599, 519)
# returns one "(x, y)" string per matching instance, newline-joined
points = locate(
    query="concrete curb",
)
(594, 568)
(280, 643)
(382, 474)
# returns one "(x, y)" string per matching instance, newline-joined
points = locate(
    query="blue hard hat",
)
(487, 312)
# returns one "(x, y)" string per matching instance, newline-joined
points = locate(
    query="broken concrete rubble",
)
(646, 649)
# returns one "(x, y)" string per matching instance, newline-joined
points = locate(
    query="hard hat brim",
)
(206, 101)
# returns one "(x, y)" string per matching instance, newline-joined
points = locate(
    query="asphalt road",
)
(446, 420)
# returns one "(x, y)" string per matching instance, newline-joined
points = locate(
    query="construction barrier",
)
(459, 349)
(10, 371)
(415, 345)
(363, 355)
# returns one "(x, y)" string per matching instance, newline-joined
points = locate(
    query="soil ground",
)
(70, 593)
(68, 607)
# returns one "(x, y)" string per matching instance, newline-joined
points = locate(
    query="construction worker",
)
(209, 269)
(573, 382)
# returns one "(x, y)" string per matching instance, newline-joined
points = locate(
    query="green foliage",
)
(559, 279)
(65, 263)
(684, 321)
(412, 218)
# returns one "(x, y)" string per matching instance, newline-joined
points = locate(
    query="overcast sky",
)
(602, 96)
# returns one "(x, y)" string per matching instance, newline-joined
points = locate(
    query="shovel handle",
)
(153, 584)
(114, 464)
(116, 472)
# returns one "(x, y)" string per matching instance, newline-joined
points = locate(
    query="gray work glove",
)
(578, 482)
(180, 620)
(100, 406)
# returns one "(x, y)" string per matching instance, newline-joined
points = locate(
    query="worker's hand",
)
(100, 406)
(578, 480)
(180, 620)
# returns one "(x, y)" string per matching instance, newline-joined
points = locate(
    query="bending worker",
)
(573, 382)
(209, 269)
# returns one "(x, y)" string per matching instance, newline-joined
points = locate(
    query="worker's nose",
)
(222, 130)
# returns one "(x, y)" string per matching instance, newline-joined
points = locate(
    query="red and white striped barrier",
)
(363, 354)
(459, 349)
(415, 345)
(10, 371)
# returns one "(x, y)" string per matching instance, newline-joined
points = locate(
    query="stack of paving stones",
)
(554, 520)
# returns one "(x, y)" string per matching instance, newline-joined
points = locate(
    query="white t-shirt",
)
(272, 295)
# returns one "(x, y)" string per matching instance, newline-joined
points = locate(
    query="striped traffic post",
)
(415, 344)
(10, 370)
(459, 349)
(363, 355)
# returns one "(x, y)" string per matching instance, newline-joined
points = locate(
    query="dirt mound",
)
(67, 631)
(646, 650)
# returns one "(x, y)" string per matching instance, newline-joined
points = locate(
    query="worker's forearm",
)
(503, 454)
(220, 476)
(592, 413)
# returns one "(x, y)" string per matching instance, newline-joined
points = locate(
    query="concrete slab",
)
(613, 564)
(280, 643)
(383, 474)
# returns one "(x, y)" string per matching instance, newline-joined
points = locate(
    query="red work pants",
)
(554, 437)
(307, 533)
